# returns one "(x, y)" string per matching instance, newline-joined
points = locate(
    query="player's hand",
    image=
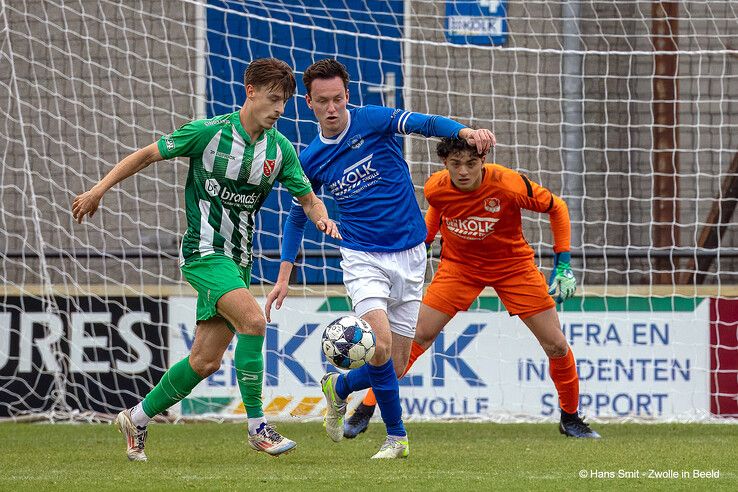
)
(85, 204)
(278, 293)
(328, 227)
(482, 139)
(561, 283)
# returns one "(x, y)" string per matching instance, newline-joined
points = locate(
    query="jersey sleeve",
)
(294, 229)
(433, 215)
(560, 225)
(429, 125)
(291, 174)
(188, 140)
(391, 121)
(432, 223)
(532, 196)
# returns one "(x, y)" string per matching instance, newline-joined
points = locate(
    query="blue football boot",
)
(359, 421)
(572, 425)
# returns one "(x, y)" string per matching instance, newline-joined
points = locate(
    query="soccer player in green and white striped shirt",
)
(234, 161)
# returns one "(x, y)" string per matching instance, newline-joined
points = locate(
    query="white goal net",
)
(628, 110)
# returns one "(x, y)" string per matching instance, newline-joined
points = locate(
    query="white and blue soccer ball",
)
(349, 342)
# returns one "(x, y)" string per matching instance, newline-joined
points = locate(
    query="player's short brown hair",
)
(270, 73)
(325, 69)
(448, 146)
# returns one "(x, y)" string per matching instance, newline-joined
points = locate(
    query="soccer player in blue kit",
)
(360, 162)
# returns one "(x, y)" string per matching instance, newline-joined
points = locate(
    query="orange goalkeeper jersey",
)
(482, 229)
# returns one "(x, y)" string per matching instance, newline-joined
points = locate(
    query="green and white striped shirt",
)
(228, 180)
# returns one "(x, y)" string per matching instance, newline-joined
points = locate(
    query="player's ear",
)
(309, 101)
(250, 91)
(347, 95)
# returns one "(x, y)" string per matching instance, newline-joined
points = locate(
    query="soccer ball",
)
(349, 342)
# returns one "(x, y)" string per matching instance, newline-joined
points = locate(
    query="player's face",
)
(465, 170)
(328, 99)
(267, 104)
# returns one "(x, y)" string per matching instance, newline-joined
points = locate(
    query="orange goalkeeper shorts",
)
(523, 290)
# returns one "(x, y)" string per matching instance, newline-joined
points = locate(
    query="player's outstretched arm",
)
(88, 202)
(294, 229)
(315, 210)
(279, 291)
(433, 125)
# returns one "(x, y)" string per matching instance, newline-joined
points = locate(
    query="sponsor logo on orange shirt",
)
(474, 228)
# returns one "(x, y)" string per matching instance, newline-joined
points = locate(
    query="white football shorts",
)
(392, 282)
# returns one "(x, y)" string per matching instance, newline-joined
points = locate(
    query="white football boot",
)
(333, 420)
(135, 436)
(268, 440)
(394, 447)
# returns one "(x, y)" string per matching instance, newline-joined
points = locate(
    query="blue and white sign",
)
(651, 365)
(476, 22)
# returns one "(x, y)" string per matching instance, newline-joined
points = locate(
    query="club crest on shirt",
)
(492, 205)
(269, 167)
(356, 141)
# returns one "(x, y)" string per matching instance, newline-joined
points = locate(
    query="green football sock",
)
(249, 362)
(174, 385)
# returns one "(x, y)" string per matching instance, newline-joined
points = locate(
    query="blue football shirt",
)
(364, 170)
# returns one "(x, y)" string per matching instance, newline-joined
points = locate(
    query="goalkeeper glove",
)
(561, 283)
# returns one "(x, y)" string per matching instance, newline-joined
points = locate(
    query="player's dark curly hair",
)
(325, 69)
(448, 146)
(270, 73)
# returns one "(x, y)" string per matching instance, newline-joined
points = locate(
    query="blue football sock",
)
(354, 380)
(387, 390)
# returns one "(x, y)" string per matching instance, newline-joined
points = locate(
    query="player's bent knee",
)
(423, 339)
(203, 366)
(556, 350)
(382, 353)
(254, 325)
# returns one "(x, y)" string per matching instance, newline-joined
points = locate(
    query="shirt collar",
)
(337, 139)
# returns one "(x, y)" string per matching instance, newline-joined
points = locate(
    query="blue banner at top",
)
(476, 21)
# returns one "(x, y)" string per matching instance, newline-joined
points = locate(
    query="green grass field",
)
(444, 456)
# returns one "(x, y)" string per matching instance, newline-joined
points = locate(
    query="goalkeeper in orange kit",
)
(477, 208)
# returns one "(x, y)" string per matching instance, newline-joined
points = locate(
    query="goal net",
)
(628, 110)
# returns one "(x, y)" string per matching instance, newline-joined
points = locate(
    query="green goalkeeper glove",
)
(561, 283)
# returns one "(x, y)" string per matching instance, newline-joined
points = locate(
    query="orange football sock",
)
(563, 371)
(415, 351)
